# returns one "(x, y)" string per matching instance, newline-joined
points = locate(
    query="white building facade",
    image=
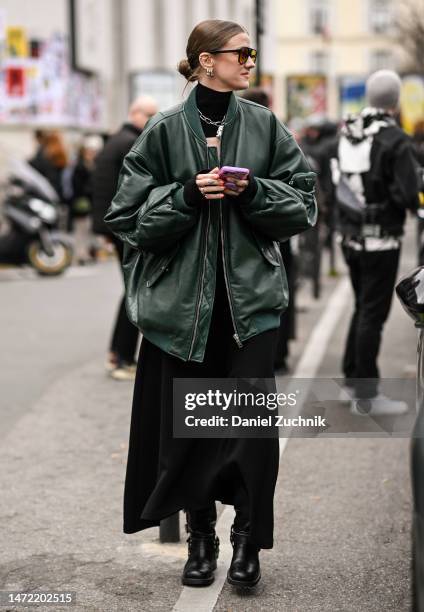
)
(121, 48)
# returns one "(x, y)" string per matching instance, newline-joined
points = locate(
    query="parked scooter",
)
(28, 221)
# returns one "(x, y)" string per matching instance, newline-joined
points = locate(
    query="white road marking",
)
(316, 346)
(203, 599)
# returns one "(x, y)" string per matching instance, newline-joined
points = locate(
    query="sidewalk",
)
(342, 507)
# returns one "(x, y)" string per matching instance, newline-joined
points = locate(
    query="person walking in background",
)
(39, 153)
(375, 183)
(120, 362)
(287, 318)
(257, 95)
(205, 285)
(81, 207)
(51, 160)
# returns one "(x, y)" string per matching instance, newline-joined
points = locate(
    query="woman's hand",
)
(210, 185)
(240, 185)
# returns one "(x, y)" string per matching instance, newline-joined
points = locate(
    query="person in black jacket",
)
(374, 159)
(121, 358)
(287, 318)
(80, 210)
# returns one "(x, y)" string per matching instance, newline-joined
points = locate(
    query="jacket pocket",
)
(269, 249)
(304, 181)
(161, 266)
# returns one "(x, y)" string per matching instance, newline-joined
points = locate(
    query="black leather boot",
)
(244, 570)
(203, 547)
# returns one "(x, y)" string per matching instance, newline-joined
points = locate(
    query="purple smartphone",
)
(241, 173)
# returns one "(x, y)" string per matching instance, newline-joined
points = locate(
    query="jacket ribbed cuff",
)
(192, 195)
(248, 194)
(181, 204)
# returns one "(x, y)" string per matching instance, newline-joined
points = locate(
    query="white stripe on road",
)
(203, 599)
(317, 344)
(316, 347)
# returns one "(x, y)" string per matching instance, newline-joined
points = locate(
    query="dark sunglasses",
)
(243, 53)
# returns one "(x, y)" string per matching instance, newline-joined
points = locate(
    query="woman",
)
(51, 161)
(206, 286)
(81, 209)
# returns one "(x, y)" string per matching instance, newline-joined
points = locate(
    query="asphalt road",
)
(342, 506)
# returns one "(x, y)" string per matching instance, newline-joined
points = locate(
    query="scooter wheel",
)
(49, 265)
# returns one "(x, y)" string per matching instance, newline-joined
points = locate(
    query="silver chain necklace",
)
(218, 124)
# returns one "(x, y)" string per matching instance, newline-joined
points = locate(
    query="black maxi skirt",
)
(166, 474)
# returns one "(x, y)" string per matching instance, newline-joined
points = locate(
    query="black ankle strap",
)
(198, 535)
(204, 538)
(245, 532)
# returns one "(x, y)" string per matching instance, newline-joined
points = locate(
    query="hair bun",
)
(186, 70)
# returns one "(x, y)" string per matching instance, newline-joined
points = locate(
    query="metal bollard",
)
(169, 529)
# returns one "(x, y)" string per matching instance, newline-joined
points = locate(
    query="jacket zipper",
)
(199, 299)
(235, 335)
(230, 302)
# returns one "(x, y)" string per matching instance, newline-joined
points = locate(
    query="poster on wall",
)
(35, 48)
(84, 101)
(351, 95)
(43, 90)
(306, 95)
(412, 101)
(16, 42)
(15, 82)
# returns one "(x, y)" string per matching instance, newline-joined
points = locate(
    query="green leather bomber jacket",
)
(170, 247)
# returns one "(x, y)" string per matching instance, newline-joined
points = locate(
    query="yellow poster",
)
(16, 41)
(412, 102)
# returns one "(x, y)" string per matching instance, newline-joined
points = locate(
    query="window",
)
(319, 16)
(381, 59)
(319, 62)
(381, 16)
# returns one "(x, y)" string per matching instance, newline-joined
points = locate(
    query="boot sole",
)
(197, 581)
(242, 583)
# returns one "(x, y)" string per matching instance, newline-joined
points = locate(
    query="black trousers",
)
(373, 277)
(125, 334)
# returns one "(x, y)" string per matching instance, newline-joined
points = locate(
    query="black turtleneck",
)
(212, 104)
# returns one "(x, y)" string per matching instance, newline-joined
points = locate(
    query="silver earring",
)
(209, 72)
